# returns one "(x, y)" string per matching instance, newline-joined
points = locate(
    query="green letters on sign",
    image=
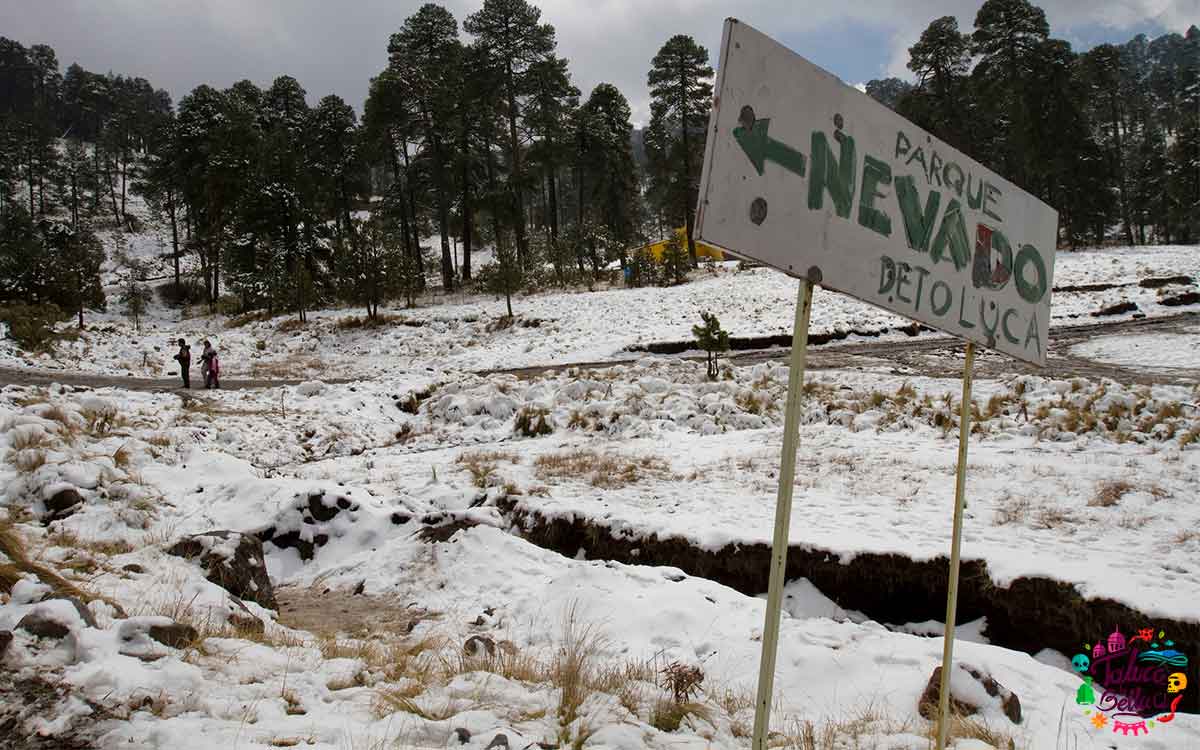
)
(875, 173)
(1030, 292)
(952, 235)
(832, 173)
(918, 224)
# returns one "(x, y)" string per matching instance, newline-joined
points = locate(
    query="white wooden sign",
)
(812, 177)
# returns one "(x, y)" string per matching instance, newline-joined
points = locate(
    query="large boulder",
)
(233, 561)
(965, 699)
(5, 639)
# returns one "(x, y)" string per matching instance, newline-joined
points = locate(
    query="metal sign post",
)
(960, 482)
(811, 177)
(783, 513)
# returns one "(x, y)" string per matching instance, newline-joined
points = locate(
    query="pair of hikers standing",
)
(210, 365)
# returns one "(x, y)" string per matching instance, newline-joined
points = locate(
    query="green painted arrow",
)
(761, 148)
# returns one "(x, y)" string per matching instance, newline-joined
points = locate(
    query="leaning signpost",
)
(809, 176)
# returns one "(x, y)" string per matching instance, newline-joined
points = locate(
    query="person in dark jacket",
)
(184, 358)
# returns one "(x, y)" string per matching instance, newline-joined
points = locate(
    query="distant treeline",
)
(1109, 137)
(487, 142)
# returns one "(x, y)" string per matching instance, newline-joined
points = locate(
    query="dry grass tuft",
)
(667, 715)
(1186, 535)
(354, 322)
(29, 437)
(1050, 517)
(482, 464)
(13, 546)
(533, 421)
(121, 456)
(102, 418)
(974, 728)
(27, 461)
(603, 470)
(1109, 493)
(573, 670)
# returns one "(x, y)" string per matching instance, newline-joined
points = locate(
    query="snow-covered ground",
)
(1070, 480)
(460, 332)
(414, 486)
(1149, 350)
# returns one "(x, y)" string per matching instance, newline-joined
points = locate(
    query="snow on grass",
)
(459, 333)
(394, 485)
(1146, 350)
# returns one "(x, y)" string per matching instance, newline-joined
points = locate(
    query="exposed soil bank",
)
(1028, 615)
(1149, 283)
(748, 343)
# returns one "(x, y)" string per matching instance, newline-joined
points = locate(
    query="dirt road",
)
(937, 355)
(17, 376)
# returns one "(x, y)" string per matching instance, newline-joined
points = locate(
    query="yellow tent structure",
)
(703, 250)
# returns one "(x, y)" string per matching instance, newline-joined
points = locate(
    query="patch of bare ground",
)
(319, 609)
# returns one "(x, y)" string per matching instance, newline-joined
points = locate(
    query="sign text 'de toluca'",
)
(814, 178)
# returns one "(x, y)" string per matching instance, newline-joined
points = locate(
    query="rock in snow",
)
(175, 635)
(63, 503)
(43, 624)
(965, 696)
(233, 561)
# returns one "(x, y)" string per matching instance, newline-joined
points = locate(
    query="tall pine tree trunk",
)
(443, 215)
(514, 177)
(171, 209)
(416, 240)
(688, 208)
(467, 221)
(398, 186)
(1122, 183)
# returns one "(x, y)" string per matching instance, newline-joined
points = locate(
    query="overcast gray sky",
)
(335, 46)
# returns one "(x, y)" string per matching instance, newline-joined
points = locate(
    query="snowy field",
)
(396, 488)
(459, 332)
(1150, 350)
(401, 599)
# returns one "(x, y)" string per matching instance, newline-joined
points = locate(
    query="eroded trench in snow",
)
(1029, 614)
(891, 571)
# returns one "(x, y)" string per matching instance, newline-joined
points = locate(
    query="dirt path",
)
(19, 376)
(937, 355)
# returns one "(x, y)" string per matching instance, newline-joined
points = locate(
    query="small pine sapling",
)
(675, 261)
(134, 295)
(712, 339)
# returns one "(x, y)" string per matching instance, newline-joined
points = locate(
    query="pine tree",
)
(888, 91)
(680, 98)
(1006, 39)
(512, 35)
(674, 261)
(611, 173)
(1102, 72)
(940, 59)
(427, 56)
(135, 295)
(552, 98)
(389, 122)
(75, 283)
(712, 339)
